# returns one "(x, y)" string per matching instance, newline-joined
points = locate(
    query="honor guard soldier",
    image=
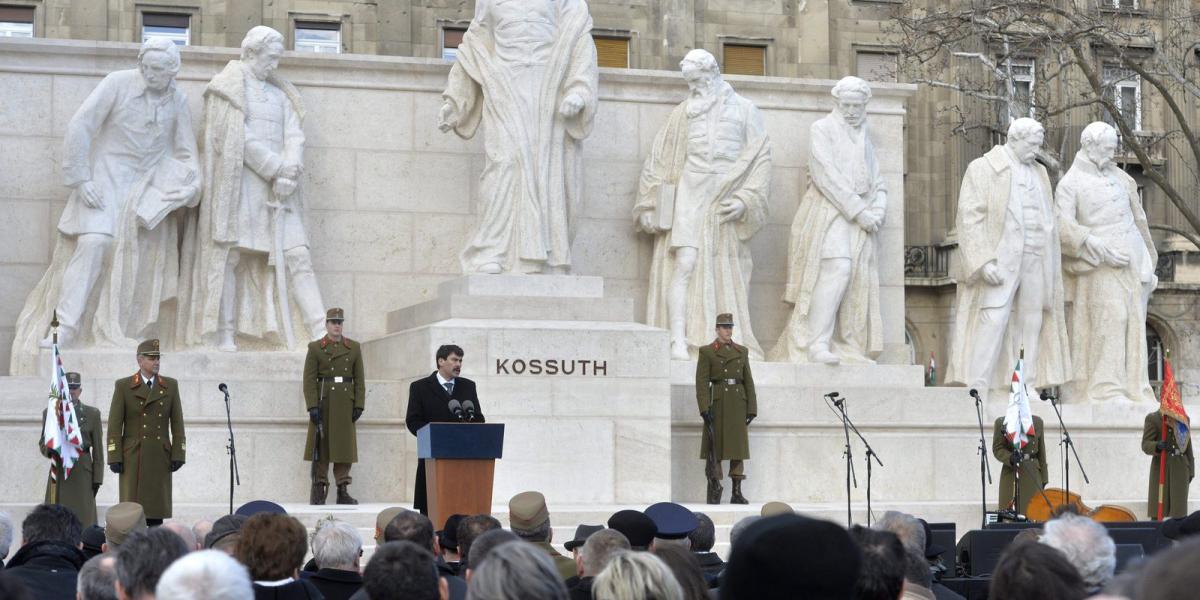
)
(78, 490)
(725, 395)
(335, 393)
(146, 441)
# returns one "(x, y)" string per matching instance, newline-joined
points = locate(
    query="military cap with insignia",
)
(673, 522)
(527, 510)
(725, 319)
(122, 520)
(149, 348)
(637, 527)
(74, 380)
(335, 314)
(582, 533)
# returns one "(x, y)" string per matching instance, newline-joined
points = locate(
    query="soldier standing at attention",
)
(335, 393)
(725, 395)
(146, 442)
(78, 491)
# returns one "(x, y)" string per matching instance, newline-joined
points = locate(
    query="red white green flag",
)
(1171, 405)
(1018, 420)
(60, 432)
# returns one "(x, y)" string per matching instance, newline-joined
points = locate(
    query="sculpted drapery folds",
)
(526, 70)
(712, 163)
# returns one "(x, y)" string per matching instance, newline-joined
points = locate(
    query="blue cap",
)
(673, 521)
(255, 507)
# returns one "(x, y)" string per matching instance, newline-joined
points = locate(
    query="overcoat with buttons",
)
(75, 492)
(730, 403)
(329, 359)
(145, 433)
(1181, 468)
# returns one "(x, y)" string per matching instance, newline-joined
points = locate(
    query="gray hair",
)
(258, 38)
(736, 531)
(636, 576)
(541, 533)
(6, 533)
(205, 575)
(1094, 132)
(599, 549)
(516, 571)
(96, 578)
(201, 529)
(1024, 128)
(1086, 544)
(906, 527)
(702, 59)
(183, 531)
(851, 85)
(158, 44)
(336, 543)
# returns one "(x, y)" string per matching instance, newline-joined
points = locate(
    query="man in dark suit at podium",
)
(429, 401)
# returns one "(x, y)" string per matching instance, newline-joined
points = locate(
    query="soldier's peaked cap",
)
(149, 348)
(673, 521)
(74, 380)
(725, 319)
(335, 314)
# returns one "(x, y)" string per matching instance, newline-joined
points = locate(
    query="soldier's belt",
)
(337, 379)
(727, 381)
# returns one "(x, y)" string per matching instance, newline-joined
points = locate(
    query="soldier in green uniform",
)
(335, 393)
(725, 395)
(1181, 466)
(78, 491)
(1031, 461)
(146, 441)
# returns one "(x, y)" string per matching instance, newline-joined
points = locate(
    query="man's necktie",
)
(449, 387)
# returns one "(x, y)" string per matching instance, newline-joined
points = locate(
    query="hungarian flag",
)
(932, 379)
(60, 432)
(1018, 421)
(1171, 405)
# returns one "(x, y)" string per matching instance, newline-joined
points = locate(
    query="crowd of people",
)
(662, 553)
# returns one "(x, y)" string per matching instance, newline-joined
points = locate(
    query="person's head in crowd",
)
(448, 538)
(1086, 544)
(225, 534)
(636, 576)
(122, 520)
(200, 531)
(403, 571)
(598, 550)
(411, 526)
(205, 575)
(272, 546)
(906, 527)
(1031, 571)
(686, 568)
(12, 588)
(384, 517)
(582, 533)
(636, 526)
(469, 529)
(772, 509)
(738, 528)
(1171, 574)
(529, 518)
(515, 571)
(184, 532)
(98, 577)
(143, 558)
(791, 556)
(6, 535)
(255, 507)
(704, 536)
(672, 524)
(92, 539)
(51, 523)
(883, 563)
(484, 544)
(337, 545)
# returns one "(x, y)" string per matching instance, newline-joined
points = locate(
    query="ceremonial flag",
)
(1171, 405)
(60, 432)
(932, 380)
(1018, 421)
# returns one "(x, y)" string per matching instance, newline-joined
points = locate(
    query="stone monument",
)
(526, 70)
(249, 236)
(1010, 290)
(129, 157)
(1108, 261)
(833, 270)
(703, 194)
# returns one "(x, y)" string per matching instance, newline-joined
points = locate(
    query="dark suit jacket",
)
(336, 584)
(428, 402)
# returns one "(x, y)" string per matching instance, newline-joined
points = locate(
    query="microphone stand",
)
(1066, 441)
(985, 472)
(234, 477)
(848, 425)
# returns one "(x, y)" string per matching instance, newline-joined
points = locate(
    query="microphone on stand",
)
(1046, 395)
(470, 408)
(456, 409)
(836, 401)
(974, 393)
(224, 388)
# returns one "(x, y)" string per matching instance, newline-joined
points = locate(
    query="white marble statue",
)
(1010, 292)
(526, 70)
(129, 157)
(250, 249)
(703, 194)
(1109, 260)
(833, 270)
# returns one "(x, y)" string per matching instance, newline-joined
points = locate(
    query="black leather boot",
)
(737, 497)
(714, 491)
(343, 495)
(318, 494)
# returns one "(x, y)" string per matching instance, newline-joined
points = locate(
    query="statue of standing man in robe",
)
(526, 70)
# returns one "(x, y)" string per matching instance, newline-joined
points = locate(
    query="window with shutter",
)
(612, 51)
(172, 26)
(742, 59)
(877, 66)
(1123, 88)
(16, 21)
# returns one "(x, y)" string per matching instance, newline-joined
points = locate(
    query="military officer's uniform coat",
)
(1033, 469)
(326, 361)
(75, 492)
(1181, 468)
(145, 432)
(730, 403)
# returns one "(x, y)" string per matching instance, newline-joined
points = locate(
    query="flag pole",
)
(1162, 458)
(56, 460)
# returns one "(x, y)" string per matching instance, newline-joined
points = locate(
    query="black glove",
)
(1015, 459)
(117, 468)
(176, 465)
(1161, 445)
(314, 415)
(750, 418)
(95, 489)
(357, 413)
(707, 416)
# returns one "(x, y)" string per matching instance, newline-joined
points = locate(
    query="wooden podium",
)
(460, 463)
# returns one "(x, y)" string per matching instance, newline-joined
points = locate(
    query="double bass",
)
(1041, 508)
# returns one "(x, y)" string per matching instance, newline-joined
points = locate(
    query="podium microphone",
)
(456, 409)
(974, 393)
(224, 388)
(470, 408)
